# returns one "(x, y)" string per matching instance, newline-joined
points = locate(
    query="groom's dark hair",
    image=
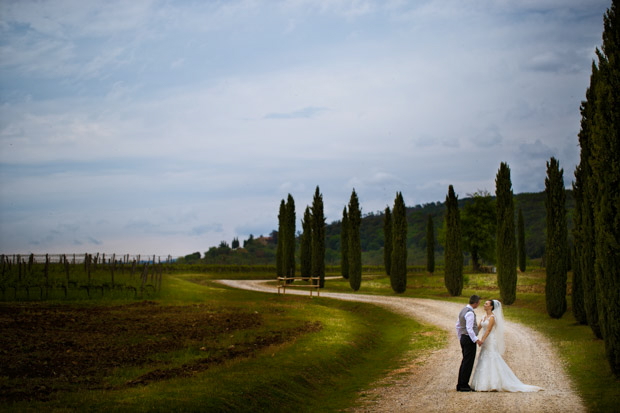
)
(474, 299)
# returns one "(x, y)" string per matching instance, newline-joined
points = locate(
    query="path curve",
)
(430, 387)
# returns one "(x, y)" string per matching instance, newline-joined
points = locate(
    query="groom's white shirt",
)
(469, 325)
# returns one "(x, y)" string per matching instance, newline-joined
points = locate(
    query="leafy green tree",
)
(398, 271)
(453, 276)
(430, 245)
(478, 223)
(387, 243)
(521, 240)
(318, 238)
(289, 243)
(605, 163)
(506, 248)
(584, 192)
(355, 249)
(556, 247)
(192, 258)
(235, 243)
(280, 251)
(305, 248)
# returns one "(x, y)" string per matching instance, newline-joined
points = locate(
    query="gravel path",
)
(430, 387)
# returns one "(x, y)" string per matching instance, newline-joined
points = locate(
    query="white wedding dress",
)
(492, 373)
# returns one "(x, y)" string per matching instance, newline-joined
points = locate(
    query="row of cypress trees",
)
(312, 240)
(395, 245)
(285, 256)
(597, 195)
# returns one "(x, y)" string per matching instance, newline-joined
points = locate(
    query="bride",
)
(492, 373)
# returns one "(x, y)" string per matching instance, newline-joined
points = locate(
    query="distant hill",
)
(262, 250)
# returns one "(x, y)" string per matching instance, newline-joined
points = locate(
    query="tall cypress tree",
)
(521, 240)
(355, 246)
(579, 310)
(506, 248)
(280, 249)
(344, 245)
(398, 270)
(584, 193)
(605, 162)
(318, 238)
(387, 243)
(305, 248)
(453, 251)
(556, 246)
(290, 237)
(430, 245)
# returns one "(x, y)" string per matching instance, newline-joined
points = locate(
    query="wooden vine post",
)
(112, 268)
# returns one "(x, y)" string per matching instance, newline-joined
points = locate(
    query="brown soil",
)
(54, 348)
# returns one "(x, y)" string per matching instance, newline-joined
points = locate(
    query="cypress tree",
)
(521, 240)
(579, 310)
(387, 243)
(290, 237)
(344, 245)
(318, 238)
(556, 245)
(398, 270)
(506, 248)
(453, 251)
(305, 248)
(355, 248)
(605, 162)
(430, 245)
(280, 252)
(584, 192)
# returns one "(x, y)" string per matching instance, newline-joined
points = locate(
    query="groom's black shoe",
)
(464, 389)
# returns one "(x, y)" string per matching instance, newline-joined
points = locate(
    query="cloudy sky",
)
(164, 127)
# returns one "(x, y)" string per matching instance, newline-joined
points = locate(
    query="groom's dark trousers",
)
(467, 365)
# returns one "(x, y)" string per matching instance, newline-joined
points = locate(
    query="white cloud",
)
(174, 126)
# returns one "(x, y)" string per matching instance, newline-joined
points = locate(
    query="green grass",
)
(322, 370)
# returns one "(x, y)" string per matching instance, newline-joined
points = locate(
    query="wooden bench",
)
(283, 284)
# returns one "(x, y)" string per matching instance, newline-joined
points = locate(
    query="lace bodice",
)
(490, 343)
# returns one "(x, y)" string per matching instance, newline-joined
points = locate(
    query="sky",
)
(166, 127)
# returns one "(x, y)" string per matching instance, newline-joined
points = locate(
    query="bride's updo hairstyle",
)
(492, 304)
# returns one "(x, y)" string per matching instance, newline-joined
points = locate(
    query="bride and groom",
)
(492, 373)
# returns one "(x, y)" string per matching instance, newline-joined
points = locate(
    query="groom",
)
(466, 331)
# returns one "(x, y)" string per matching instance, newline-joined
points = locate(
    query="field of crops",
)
(44, 277)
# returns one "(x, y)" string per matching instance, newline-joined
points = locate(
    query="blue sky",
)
(164, 127)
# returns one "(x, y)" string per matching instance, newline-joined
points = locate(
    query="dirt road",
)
(431, 387)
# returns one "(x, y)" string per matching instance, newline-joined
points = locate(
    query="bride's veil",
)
(499, 326)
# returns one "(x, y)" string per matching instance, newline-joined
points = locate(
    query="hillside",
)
(262, 250)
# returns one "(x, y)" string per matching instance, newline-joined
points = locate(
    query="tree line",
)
(596, 232)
